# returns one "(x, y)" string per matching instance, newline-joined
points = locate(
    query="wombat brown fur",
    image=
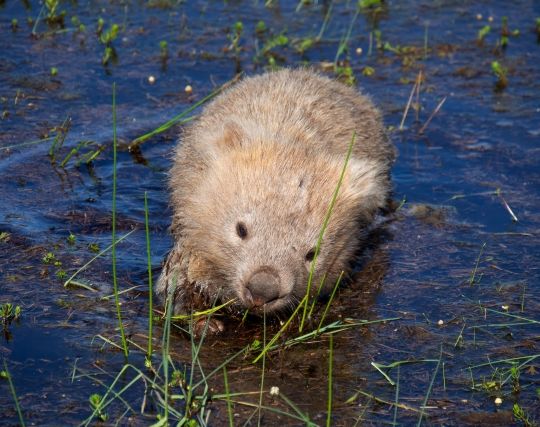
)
(251, 185)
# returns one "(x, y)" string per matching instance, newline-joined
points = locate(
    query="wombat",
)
(251, 185)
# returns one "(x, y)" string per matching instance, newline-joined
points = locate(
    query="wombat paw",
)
(214, 327)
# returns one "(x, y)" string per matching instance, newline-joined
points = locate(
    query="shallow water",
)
(459, 274)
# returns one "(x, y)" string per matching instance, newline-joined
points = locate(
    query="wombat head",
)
(255, 218)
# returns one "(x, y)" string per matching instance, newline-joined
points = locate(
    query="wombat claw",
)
(215, 326)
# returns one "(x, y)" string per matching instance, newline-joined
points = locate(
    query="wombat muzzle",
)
(263, 286)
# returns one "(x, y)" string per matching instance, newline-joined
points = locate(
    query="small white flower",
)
(359, 51)
(274, 391)
(151, 80)
(498, 401)
(440, 322)
(188, 89)
(505, 307)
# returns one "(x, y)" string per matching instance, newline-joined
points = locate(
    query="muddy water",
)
(452, 265)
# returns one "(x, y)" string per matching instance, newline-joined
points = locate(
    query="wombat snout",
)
(262, 286)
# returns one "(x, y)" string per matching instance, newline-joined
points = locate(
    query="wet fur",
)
(269, 152)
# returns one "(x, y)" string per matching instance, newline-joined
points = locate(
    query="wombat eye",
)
(241, 230)
(310, 255)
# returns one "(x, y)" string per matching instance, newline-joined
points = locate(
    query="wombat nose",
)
(263, 286)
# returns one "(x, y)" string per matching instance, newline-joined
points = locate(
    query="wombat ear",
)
(365, 183)
(232, 135)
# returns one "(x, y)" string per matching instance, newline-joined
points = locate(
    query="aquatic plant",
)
(373, 10)
(342, 68)
(81, 28)
(71, 239)
(482, 33)
(272, 43)
(260, 28)
(305, 43)
(49, 258)
(506, 33)
(502, 76)
(522, 416)
(85, 152)
(514, 375)
(368, 71)
(106, 38)
(163, 51)
(8, 313)
(54, 17)
(95, 401)
(365, 4)
(61, 133)
(100, 25)
(345, 73)
(301, 45)
(377, 34)
(234, 37)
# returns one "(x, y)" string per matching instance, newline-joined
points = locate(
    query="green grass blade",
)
(422, 409)
(229, 403)
(396, 399)
(165, 349)
(262, 371)
(14, 394)
(115, 279)
(150, 285)
(323, 229)
(330, 367)
(295, 408)
(330, 301)
(314, 302)
(283, 328)
(70, 280)
(472, 277)
(181, 118)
